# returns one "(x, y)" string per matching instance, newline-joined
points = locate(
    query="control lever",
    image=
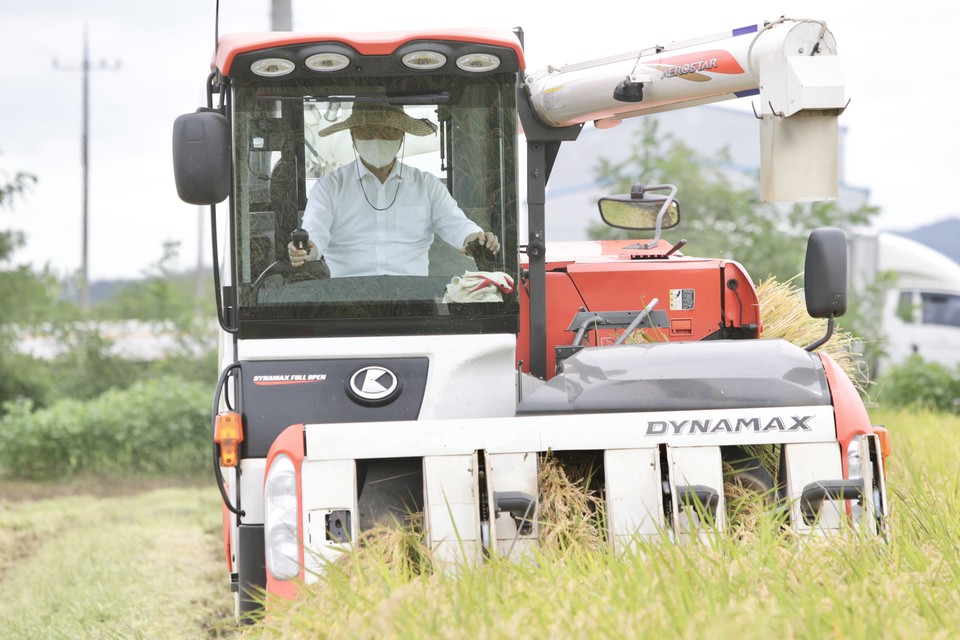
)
(486, 260)
(309, 270)
(312, 269)
(300, 239)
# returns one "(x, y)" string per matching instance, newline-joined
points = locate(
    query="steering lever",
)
(312, 269)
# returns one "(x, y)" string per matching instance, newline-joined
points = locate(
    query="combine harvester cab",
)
(353, 393)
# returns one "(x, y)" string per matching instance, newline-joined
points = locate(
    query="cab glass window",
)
(281, 156)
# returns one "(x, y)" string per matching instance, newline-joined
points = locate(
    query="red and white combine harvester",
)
(352, 392)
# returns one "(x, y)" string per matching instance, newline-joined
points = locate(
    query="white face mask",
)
(378, 153)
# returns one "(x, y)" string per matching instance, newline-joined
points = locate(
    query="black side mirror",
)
(201, 157)
(825, 273)
(825, 277)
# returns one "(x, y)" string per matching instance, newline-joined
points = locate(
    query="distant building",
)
(130, 339)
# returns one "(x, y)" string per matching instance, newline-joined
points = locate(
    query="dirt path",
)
(112, 559)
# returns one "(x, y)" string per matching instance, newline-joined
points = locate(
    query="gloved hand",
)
(487, 239)
(298, 256)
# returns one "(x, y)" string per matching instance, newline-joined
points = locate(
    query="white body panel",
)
(633, 477)
(332, 488)
(451, 507)
(634, 497)
(808, 463)
(511, 472)
(252, 473)
(695, 466)
(570, 432)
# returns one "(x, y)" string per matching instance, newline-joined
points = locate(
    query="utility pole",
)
(281, 18)
(85, 151)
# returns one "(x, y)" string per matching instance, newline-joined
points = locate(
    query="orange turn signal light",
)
(228, 433)
(884, 436)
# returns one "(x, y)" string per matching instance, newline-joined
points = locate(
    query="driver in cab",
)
(377, 216)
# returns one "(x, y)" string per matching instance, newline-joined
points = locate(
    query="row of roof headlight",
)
(419, 60)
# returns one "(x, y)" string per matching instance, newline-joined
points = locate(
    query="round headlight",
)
(424, 60)
(327, 61)
(478, 62)
(272, 67)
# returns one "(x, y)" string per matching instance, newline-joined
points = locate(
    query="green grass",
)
(114, 560)
(762, 587)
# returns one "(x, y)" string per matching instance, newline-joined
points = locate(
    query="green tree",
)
(26, 300)
(12, 240)
(721, 213)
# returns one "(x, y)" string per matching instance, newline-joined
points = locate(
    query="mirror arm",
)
(663, 210)
(823, 340)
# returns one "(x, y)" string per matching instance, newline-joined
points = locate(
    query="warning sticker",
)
(554, 98)
(681, 299)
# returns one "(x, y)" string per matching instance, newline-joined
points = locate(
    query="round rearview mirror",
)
(625, 212)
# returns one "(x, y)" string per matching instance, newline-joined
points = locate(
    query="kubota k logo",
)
(690, 66)
(373, 385)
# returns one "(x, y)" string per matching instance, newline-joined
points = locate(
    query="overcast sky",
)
(902, 132)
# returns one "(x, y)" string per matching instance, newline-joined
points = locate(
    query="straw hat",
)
(365, 113)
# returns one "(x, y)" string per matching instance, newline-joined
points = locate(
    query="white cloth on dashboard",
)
(479, 286)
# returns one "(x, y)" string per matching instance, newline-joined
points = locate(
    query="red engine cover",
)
(606, 276)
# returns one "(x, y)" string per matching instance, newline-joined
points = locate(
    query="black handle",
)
(300, 239)
(698, 495)
(486, 260)
(815, 493)
(521, 507)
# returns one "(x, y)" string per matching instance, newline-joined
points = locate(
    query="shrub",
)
(159, 426)
(919, 384)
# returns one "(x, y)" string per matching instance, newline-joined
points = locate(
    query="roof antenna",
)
(216, 30)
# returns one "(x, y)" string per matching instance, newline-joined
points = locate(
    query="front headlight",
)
(855, 472)
(854, 463)
(281, 529)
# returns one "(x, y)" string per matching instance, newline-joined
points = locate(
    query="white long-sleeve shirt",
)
(357, 240)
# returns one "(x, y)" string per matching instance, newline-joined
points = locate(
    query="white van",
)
(921, 311)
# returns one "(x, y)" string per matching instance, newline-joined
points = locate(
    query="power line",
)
(86, 67)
